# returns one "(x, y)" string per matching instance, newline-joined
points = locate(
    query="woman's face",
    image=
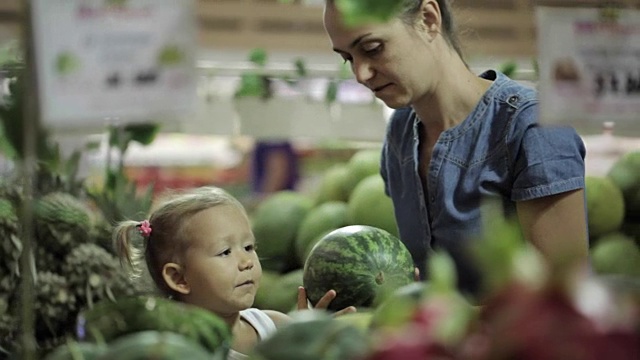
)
(392, 59)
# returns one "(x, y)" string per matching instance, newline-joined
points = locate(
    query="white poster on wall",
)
(589, 62)
(130, 60)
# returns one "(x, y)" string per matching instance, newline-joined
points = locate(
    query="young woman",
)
(457, 138)
(199, 249)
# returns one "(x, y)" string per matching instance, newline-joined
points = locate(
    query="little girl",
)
(199, 249)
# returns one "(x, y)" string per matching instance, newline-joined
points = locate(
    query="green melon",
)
(325, 217)
(112, 320)
(605, 206)
(361, 165)
(616, 257)
(399, 308)
(369, 205)
(275, 224)
(155, 345)
(264, 292)
(625, 174)
(361, 320)
(333, 185)
(283, 295)
(363, 264)
(313, 335)
(77, 350)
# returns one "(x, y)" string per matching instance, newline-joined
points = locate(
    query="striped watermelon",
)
(363, 264)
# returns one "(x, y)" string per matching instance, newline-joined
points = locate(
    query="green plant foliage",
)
(509, 68)
(357, 12)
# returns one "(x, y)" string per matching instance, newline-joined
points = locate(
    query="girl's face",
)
(221, 267)
(392, 59)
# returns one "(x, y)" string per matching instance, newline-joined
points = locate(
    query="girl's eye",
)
(250, 248)
(226, 252)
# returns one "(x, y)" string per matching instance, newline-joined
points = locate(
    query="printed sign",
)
(132, 60)
(589, 62)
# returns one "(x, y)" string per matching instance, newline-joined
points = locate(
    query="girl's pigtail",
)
(123, 244)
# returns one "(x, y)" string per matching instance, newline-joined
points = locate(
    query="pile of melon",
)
(613, 210)
(288, 224)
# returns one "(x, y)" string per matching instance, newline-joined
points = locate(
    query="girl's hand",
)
(323, 303)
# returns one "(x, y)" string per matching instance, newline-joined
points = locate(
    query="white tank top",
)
(258, 320)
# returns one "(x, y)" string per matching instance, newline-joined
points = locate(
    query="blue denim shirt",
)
(498, 150)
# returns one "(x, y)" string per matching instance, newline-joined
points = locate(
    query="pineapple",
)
(55, 303)
(101, 234)
(93, 273)
(63, 222)
(10, 246)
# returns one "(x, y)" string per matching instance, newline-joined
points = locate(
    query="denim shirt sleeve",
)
(547, 160)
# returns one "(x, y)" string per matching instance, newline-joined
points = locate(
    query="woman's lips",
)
(380, 88)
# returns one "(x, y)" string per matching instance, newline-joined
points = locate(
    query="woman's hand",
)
(323, 303)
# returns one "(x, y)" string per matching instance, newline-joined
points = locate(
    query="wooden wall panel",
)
(488, 27)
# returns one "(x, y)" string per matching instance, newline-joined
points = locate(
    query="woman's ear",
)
(173, 275)
(431, 18)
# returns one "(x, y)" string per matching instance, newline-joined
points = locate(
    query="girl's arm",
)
(278, 318)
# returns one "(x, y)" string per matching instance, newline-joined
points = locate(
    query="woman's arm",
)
(557, 226)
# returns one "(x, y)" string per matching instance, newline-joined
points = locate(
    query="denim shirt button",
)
(433, 198)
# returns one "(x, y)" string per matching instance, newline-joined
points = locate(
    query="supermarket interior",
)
(114, 103)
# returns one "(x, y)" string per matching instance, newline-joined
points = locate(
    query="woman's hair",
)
(167, 240)
(411, 11)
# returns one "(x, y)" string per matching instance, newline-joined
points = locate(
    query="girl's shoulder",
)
(277, 317)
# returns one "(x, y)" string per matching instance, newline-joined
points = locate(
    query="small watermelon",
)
(363, 264)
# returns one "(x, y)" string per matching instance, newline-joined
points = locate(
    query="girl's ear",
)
(173, 275)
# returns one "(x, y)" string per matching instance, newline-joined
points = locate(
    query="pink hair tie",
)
(145, 228)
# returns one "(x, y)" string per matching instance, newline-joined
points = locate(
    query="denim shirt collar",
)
(479, 113)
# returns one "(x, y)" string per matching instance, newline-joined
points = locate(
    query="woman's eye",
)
(372, 48)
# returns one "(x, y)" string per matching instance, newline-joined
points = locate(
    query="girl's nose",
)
(246, 262)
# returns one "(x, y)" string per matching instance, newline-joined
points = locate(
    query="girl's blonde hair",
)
(168, 239)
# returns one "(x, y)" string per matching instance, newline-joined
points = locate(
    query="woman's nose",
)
(363, 71)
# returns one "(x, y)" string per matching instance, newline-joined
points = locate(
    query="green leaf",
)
(6, 148)
(442, 273)
(301, 67)
(509, 68)
(345, 71)
(252, 85)
(332, 92)
(258, 56)
(142, 133)
(500, 244)
(359, 12)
